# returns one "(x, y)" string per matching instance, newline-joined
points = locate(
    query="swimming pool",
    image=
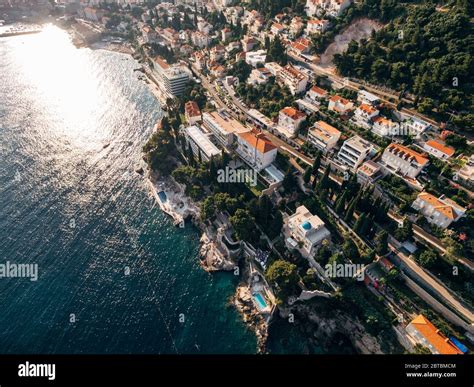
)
(162, 196)
(260, 301)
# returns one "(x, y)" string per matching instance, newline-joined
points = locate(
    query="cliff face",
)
(336, 332)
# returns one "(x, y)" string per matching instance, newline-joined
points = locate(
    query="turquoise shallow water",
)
(72, 124)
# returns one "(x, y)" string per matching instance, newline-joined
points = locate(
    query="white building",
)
(255, 149)
(200, 143)
(192, 113)
(383, 127)
(291, 119)
(256, 58)
(332, 8)
(403, 161)
(316, 26)
(369, 172)
(316, 94)
(200, 39)
(438, 149)
(223, 127)
(367, 98)
(305, 231)
(174, 78)
(274, 68)
(438, 211)
(340, 105)
(295, 80)
(415, 126)
(364, 115)
(259, 76)
(354, 151)
(323, 136)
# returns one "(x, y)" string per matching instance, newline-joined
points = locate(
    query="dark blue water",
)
(72, 124)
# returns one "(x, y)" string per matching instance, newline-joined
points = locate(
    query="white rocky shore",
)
(251, 316)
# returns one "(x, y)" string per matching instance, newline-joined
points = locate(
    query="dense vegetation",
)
(425, 52)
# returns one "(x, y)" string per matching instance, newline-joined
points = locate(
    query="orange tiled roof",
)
(402, 151)
(367, 109)
(292, 113)
(441, 207)
(161, 62)
(319, 91)
(441, 147)
(192, 109)
(434, 336)
(257, 140)
(337, 98)
(382, 121)
(327, 128)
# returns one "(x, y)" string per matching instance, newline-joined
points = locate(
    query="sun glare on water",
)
(61, 81)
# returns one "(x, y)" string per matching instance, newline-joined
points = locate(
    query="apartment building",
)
(256, 149)
(316, 26)
(223, 127)
(174, 78)
(295, 80)
(200, 143)
(364, 115)
(404, 161)
(291, 119)
(354, 151)
(333, 8)
(192, 113)
(323, 136)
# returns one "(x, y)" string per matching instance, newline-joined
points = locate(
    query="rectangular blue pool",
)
(260, 300)
(162, 196)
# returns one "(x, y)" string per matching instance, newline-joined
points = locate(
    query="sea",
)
(114, 275)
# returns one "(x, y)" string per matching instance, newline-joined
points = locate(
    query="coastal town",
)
(325, 164)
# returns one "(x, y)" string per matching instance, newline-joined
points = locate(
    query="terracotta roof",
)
(192, 109)
(441, 207)
(327, 128)
(367, 109)
(162, 63)
(318, 90)
(434, 336)
(403, 151)
(257, 140)
(293, 113)
(382, 121)
(337, 98)
(441, 147)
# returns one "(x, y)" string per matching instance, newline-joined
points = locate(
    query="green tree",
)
(243, 224)
(350, 250)
(284, 277)
(381, 242)
(307, 174)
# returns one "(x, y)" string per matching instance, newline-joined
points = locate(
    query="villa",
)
(440, 211)
(305, 232)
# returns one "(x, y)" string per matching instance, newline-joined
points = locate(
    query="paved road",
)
(433, 283)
